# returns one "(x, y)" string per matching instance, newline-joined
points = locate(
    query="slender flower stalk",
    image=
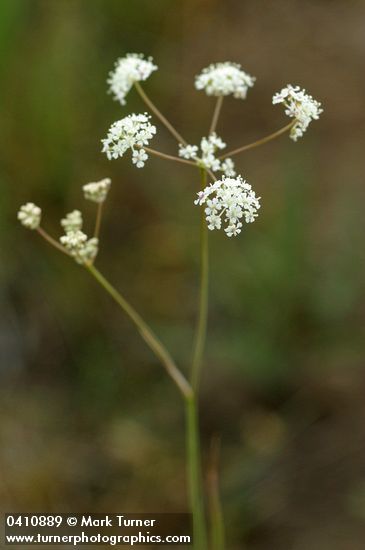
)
(168, 157)
(203, 299)
(158, 113)
(211, 175)
(217, 110)
(52, 241)
(261, 141)
(99, 213)
(146, 333)
(192, 430)
(215, 507)
(194, 473)
(193, 437)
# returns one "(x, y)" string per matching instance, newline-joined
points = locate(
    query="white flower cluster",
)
(128, 70)
(29, 215)
(82, 249)
(97, 191)
(298, 105)
(131, 132)
(72, 221)
(207, 158)
(230, 200)
(222, 79)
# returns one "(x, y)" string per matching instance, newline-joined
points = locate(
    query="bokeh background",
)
(89, 421)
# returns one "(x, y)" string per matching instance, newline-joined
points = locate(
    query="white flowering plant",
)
(300, 106)
(227, 203)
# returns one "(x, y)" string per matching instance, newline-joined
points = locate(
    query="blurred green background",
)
(89, 421)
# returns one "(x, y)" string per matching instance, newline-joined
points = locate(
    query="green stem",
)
(215, 508)
(203, 299)
(194, 475)
(148, 336)
(193, 440)
(192, 430)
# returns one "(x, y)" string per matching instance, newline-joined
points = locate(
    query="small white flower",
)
(221, 79)
(213, 206)
(229, 200)
(82, 249)
(131, 132)
(214, 222)
(128, 70)
(73, 240)
(300, 106)
(139, 157)
(202, 196)
(210, 161)
(207, 157)
(72, 221)
(97, 191)
(88, 252)
(211, 144)
(233, 230)
(216, 141)
(188, 151)
(29, 215)
(227, 167)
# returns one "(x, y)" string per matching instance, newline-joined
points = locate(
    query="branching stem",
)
(192, 426)
(146, 333)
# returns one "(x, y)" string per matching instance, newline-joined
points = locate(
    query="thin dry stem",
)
(99, 214)
(146, 333)
(217, 110)
(158, 114)
(259, 141)
(211, 174)
(168, 157)
(52, 241)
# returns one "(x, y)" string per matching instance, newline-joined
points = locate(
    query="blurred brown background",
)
(89, 421)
